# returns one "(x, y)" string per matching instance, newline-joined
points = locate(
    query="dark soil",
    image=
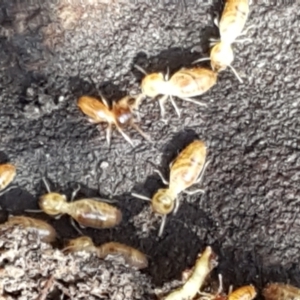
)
(54, 51)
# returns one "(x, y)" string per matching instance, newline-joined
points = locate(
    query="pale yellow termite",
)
(281, 291)
(87, 212)
(205, 263)
(133, 257)
(120, 115)
(7, 175)
(186, 170)
(247, 292)
(183, 84)
(44, 230)
(231, 26)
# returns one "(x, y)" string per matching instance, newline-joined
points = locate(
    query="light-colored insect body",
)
(44, 230)
(132, 257)
(221, 57)
(233, 20)
(205, 263)
(186, 170)
(281, 291)
(184, 84)
(87, 212)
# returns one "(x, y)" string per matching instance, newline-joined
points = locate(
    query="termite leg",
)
(167, 76)
(201, 59)
(243, 40)
(175, 106)
(217, 19)
(140, 69)
(176, 206)
(104, 100)
(245, 31)
(161, 102)
(193, 192)
(203, 171)
(33, 210)
(194, 101)
(75, 226)
(104, 200)
(125, 136)
(108, 134)
(164, 180)
(162, 225)
(220, 289)
(57, 217)
(140, 131)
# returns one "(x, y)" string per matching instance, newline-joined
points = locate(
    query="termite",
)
(87, 212)
(247, 292)
(7, 175)
(44, 230)
(280, 291)
(186, 170)
(231, 26)
(184, 84)
(205, 263)
(120, 115)
(133, 257)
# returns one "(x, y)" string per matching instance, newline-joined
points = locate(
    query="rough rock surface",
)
(54, 51)
(30, 269)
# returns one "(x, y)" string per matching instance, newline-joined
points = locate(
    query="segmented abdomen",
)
(91, 213)
(192, 82)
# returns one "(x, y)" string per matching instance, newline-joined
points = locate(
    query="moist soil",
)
(52, 52)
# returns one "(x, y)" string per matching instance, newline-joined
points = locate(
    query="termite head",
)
(152, 84)
(163, 202)
(52, 203)
(210, 256)
(79, 244)
(122, 110)
(221, 56)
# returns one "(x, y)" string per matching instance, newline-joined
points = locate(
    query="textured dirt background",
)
(53, 52)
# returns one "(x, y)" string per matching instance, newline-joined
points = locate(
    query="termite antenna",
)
(142, 197)
(201, 59)
(140, 69)
(104, 100)
(235, 73)
(46, 185)
(8, 189)
(33, 210)
(75, 192)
